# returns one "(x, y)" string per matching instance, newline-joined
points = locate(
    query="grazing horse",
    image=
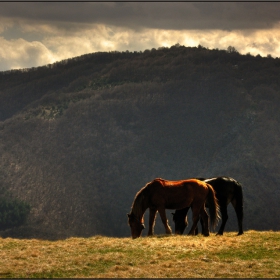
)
(161, 194)
(227, 191)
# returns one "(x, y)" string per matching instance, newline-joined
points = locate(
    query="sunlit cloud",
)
(20, 53)
(55, 44)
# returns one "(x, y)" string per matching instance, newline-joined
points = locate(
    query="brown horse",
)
(161, 194)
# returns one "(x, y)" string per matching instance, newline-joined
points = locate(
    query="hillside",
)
(252, 255)
(80, 137)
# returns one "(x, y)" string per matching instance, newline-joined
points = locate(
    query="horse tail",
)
(239, 198)
(213, 205)
(239, 205)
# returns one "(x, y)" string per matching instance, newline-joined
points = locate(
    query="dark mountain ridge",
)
(80, 137)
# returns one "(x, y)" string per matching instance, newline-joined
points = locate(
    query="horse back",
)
(226, 188)
(190, 187)
(193, 183)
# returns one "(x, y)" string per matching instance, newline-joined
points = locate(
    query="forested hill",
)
(80, 137)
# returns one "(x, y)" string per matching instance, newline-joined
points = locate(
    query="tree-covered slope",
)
(79, 138)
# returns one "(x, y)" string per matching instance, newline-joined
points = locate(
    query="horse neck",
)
(139, 205)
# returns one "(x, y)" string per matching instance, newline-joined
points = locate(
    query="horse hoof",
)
(240, 233)
(219, 233)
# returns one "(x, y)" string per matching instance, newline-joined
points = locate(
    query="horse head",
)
(181, 222)
(136, 225)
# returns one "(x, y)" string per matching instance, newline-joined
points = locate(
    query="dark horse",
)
(161, 194)
(227, 191)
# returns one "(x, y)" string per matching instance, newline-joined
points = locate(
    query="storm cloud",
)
(155, 15)
(38, 33)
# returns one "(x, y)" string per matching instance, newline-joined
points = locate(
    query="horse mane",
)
(138, 208)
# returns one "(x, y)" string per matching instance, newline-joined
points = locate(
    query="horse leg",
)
(204, 222)
(239, 215)
(152, 217)
(196, 229)
(195, 219)
(224, 214)
(202, 226)
(164, 220)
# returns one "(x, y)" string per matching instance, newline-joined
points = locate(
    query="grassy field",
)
(252, 255)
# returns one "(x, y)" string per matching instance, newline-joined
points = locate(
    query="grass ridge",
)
(256, 254)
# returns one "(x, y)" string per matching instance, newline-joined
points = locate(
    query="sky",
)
(43, 32)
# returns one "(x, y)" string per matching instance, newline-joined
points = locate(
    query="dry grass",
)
(253, 255)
